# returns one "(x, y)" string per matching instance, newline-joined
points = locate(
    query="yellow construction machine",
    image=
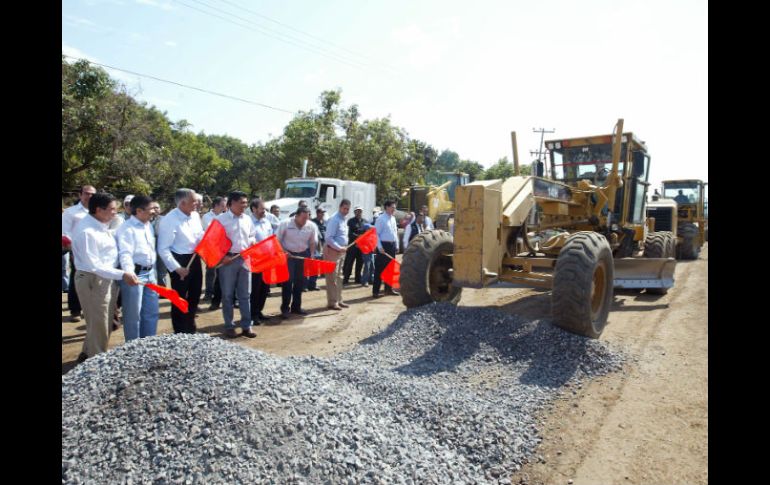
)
(682, 210)
(438, 198)
(580, 233)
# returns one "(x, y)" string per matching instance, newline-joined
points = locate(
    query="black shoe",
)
(248, 333)
(316, 289)
(284, 315)
(299, 312)
(263, 318)
(75, 317)
(376, 295)
(230, 333)
(82, 357)
(214, 307)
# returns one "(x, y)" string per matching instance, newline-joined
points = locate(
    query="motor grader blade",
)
(644, 272)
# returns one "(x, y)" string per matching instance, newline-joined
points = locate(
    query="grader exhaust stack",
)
(580, 233)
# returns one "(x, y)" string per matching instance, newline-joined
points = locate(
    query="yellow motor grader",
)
(581, 233)
(682, 210)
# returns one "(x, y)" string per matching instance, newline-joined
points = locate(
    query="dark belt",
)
(139, 269)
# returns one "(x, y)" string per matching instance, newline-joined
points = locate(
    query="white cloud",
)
(156, 4)
(75, 52)
(171, 43)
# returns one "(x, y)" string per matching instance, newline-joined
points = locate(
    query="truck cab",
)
(323, 192)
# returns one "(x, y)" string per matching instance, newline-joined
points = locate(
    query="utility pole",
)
(540, 153)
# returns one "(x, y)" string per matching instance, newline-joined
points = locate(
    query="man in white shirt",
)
(179, 233)
(259, 289)
(335, 249)
(213, 290)
(136, 253)
(298, 237)
(234, 275)
(96, 257)
(273, 215)
(69, 220)
(428, 221)
(387, 242)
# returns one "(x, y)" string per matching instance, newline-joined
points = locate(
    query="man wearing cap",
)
(234, 275)
(126, 214)
(312, 281)
(336, 240)
(298, 237)
(69, 220)
(137, 255)
(355, 229)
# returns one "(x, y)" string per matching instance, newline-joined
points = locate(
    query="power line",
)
(297, 30)
(183, 85)
(260, 30)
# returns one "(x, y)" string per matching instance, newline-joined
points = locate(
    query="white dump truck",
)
(324, 192)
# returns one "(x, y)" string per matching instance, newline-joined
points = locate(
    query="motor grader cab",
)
(580, 233)
(682, 211)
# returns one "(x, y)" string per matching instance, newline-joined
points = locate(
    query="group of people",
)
(114, 256)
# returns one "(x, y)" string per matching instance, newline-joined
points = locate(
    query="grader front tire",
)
(583, 284)
(659, 245)
(425, 275)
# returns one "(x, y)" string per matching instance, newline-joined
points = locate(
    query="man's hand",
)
(225, 261)
(130, 279)
(182, 272)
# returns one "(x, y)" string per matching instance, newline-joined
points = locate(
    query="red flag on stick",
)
(214, 244)
(391, 274)
(278, 272)
(261, 256)
(172, 295)
(367, 241)
(317, 267)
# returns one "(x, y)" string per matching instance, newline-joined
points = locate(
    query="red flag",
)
(65, 241)
(367, 241)
(278, 272)
(391, 274)
(317, 267)
(261, 255)
(214, 244)
(172, 295)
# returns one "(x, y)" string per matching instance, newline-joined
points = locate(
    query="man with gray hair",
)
(178, 234)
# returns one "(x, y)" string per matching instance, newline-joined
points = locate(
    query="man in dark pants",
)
(387, 242)
(178, 234)
(312, 282)
(355, 229)
(298, 237)
(259, 289)
(69, 219)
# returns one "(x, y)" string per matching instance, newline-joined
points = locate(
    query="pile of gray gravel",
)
(444, 395)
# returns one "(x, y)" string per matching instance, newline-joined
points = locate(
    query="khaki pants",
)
(98, 297)
(334, 279)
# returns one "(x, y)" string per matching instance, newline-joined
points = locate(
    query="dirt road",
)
(648, 425)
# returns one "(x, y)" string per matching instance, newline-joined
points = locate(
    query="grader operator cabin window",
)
(690, 192)
(301, 190)
(590, 162)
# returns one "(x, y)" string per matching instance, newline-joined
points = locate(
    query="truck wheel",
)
(425, 275)
(689, 249)
(659, 245)
(583, 284)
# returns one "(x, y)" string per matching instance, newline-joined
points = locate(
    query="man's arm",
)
(378, 228)
(86, 241)
(126, 246)
(407, 233)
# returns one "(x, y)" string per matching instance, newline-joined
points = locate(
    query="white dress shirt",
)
(178, 233)
(263, 227)
(136, 244)
(408, 232)
(428, 224)
(239, 229)
(207, 218)
(274, 221)
(387, 230)
(70, 218)
(95, 249)
(295, 239)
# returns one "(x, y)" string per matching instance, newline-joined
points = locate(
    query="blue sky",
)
(456, 74)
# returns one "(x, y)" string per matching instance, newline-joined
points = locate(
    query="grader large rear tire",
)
(689, 249)
(583, 284)
(425, 275)
(659, 245)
